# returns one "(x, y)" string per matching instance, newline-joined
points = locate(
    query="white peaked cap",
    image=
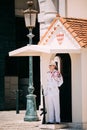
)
(52, 62)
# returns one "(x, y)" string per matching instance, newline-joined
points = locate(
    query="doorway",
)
(65, 89)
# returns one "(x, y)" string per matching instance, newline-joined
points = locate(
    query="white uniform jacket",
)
(54, 80)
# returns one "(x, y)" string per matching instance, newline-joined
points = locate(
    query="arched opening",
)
(65, 89)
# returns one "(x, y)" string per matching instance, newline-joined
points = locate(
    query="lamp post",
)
(30, 19)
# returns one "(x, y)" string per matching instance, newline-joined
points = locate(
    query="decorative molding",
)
(47, 13)
(40, 1)
(41, 17)
(49, 17)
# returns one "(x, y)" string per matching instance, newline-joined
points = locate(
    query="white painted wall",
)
(77, 8)
(73, 8)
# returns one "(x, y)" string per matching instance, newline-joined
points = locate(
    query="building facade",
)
(73, 65)
(67, 9)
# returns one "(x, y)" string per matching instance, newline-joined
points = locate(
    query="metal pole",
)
(31, 111)
(17, 101)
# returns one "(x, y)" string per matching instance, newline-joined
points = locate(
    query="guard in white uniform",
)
(51, 91)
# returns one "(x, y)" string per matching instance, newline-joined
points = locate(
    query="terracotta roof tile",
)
(77, 28)
(70, 30)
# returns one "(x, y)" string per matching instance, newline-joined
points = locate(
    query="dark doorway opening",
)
(65, 89)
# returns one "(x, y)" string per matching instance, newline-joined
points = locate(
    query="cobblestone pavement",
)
(9, 120)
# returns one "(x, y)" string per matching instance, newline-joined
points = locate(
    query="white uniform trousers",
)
(53, 107)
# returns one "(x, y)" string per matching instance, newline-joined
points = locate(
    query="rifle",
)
(43, 109)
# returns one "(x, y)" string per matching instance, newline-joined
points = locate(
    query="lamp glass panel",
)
(30, 19)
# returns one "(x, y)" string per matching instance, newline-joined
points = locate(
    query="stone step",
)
(53, 126)
(79, 126)
(65, 126)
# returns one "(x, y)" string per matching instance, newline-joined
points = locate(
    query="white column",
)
(76, 88)
(45, 59)
(44, 62)
(79, 87)
(63, 8)
(84, 85)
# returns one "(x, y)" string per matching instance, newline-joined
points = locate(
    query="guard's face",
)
(51, 67)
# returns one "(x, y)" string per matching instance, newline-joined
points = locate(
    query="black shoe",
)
(49, 123)
(57, 123)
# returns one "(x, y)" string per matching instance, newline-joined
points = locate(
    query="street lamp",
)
(30, 20)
